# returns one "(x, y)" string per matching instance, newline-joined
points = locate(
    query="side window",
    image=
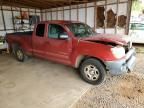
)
(40, 30)
(54, 31)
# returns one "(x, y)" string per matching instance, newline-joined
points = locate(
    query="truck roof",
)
(60, 21)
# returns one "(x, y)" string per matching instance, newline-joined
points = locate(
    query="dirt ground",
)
(125, 91)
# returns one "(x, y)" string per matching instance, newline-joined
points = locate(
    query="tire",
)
(92, 71)
(19, 54)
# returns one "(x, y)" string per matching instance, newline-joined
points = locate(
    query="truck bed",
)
(28, 33)
(22, 38)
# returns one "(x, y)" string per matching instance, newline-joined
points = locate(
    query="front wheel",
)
(92, 71)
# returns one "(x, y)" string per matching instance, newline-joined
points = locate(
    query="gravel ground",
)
(125, 91)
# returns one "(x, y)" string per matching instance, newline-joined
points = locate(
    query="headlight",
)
(118, 51)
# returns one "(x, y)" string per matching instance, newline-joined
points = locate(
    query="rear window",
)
(40, 30)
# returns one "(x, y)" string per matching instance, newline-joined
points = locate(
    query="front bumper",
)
(124, 65)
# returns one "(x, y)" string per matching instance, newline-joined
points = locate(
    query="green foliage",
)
(137, 5)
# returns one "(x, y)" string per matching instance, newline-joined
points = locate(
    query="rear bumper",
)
(122, 66)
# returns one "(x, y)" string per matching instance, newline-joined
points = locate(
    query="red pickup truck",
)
(75, 44)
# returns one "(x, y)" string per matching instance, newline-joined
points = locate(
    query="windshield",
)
(81, 30)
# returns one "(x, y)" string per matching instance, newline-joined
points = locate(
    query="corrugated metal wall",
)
(86, 13)
(7, 13)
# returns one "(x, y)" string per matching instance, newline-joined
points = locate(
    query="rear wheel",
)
(19, 54)
(92, 71)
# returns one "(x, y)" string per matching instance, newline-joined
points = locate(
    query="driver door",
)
(58, 49)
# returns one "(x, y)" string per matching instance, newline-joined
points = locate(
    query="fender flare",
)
(81, 58)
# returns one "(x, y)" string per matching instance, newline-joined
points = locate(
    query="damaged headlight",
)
(118, 51)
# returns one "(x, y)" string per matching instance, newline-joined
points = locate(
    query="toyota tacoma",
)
(75, 44)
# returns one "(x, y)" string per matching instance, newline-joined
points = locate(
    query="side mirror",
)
(63, 36)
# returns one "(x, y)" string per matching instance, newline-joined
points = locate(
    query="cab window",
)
(54, 31)
(40, 30)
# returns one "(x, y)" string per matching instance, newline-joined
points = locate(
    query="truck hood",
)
(108, 38)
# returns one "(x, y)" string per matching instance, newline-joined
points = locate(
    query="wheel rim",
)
(19, 54)
(91, 72)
